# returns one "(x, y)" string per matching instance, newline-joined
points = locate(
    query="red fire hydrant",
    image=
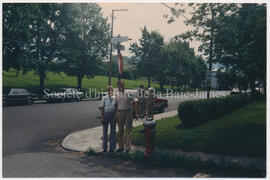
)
(149, 133)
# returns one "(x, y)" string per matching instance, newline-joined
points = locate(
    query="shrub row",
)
(193, 113)
(166, 159)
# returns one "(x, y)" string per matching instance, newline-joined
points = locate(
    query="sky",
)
(129, 23)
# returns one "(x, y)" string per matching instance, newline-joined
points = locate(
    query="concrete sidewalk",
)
(92, 138)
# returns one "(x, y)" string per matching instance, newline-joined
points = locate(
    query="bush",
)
(193, 113)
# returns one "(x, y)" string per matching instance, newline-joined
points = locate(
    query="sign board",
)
(119, 39)
(208, 76)
(119, 47)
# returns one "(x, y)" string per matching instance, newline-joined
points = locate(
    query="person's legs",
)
(105, 131)
(113, 132)
(152, 111)
(121, 119)
(143, 109)
(140, 109)
(128, 124)
(147, 110)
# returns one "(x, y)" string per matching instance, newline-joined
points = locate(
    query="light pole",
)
(110, 71)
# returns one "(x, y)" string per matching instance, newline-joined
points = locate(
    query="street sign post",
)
(118, 46)
(208, 76)
(119, 39)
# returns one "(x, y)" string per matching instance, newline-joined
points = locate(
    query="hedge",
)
(194, 113)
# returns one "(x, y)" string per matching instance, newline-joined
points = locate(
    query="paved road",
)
(27, 128)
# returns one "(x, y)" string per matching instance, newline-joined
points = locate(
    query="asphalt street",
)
(27, 128)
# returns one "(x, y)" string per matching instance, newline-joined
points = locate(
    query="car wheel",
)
(162, 109)
(29, 101)
(63, 100)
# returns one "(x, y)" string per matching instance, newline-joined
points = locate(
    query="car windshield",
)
(61, 90)
(73, 90)
(18, 91)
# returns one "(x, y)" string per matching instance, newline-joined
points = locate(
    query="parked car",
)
(160, 103)
(19, 96)
(115, 91)
(159, 106)
(63, 95)
(235, 91)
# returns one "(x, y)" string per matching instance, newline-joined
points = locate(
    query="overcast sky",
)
(129, 23)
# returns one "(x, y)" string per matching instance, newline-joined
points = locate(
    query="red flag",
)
(120, 64)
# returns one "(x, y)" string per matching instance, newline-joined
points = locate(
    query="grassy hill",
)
(55, 81)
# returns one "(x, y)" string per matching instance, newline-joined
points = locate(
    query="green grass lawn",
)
(242, 132)
(55, 81)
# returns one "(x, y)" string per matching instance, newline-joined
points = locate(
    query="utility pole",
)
(210, 57)
(110, 71)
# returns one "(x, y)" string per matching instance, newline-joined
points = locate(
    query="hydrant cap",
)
(149, 123)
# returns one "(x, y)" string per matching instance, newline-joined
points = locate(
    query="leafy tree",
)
(31, 34)
(44, 28)
(183, 66)
(242, 43)
(85, 40)
(105, 67)
(147, 54)
(205, 19)
(198, 71)
(15, 34)
(226, 80)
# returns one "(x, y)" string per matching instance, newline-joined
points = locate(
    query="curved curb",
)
(91, 138)
(81, 141)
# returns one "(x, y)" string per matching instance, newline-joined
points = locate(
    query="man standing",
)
(125, 104)
(108, 111)
(141, 101)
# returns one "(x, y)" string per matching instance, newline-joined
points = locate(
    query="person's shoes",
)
(104, 151)
(111, 151)
(119, 150)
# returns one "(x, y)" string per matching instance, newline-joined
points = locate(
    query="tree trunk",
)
(149, 81)
(172, 86)
(252, 88)
(79, 81)
(41, 84)
(264, 86)
(161, 86)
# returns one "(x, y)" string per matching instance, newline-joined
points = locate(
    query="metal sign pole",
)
(118, 54)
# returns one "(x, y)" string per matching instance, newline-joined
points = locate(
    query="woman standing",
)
(107, 109)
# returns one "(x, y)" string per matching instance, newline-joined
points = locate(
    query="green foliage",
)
(54, 81)
(167, 159)
(241, 39)
(183, 66)
(15, 34)
(147, 56)
(85, 40)
(58, 37)
(233, 35)
(241, 132)
(90, 152)
(193, 113)
(205, 19)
